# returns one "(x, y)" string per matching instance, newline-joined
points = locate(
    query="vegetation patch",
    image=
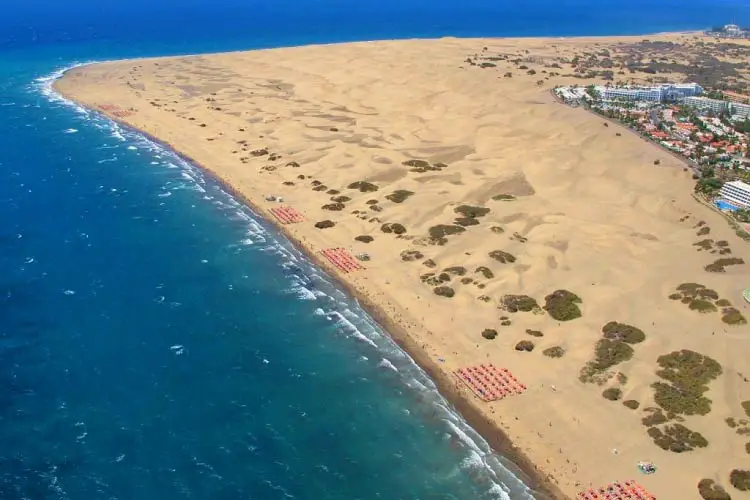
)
(489, 333)
(435, 279)
(746, 407)
(471, 211)
(534, 333)
(363, 186)
(322, 187)
(456, 270)
(429, 263)
(502, 257)
(677, 438)
(563, 305)
(466, 221)
(444, 291)
(631, 403)
(720, 265)
(411, 255)
(503, 197)
(364, 238)
(340, 199)
(337, 207)
(554, 352)
(624, 332)
(689, 374)
(393, 227)
(703, 231)
(485, 271)
(607, 353)
(740, 479)
(612, 394)
(259, 152)
(515, 303)
(422, 166)
(732, 316)
(654, 417)
(709, 490)
(497, 230)
(524, 346)
(399, 195)
(324, 224)
(438, 233)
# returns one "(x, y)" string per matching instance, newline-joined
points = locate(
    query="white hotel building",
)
(737, 193)
(661, 93)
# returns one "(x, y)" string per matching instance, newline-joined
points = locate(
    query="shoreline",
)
(542, 488)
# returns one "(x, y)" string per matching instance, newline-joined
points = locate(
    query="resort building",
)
(661, 93)
(704, 103)
(736, 193)
(741, 110)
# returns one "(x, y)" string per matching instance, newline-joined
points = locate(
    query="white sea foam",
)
(384, 363)
(70, 131)
(319, 312)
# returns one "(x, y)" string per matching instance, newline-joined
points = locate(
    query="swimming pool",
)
(725, 205)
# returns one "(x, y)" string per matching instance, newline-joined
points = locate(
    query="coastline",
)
(496, 437)
(311, 105)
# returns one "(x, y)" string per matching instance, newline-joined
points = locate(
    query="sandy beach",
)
(452, 166)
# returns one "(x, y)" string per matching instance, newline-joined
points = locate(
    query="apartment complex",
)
(717, 106)
(736, 193)
(661, 93)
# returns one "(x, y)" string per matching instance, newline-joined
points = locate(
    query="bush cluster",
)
(534, 333)
(503, 197)
(563, 305)
(399, 196)
(411, 255)
(364, 238)
(363, 186)
(324, 224)
(719, 265)
(631, 403)
(393, 227)
(502, 257)
(337, 207)
(612, 394)
(489, 333)
(689, 374)
(677, 438)
(485, 271)
(515, 303)
(554, 352)
(621, 331)
(709, 490)
(444, 291)
(525, 346)
(455, 270)
(740, 479)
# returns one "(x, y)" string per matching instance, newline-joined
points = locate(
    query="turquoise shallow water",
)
(157, 339)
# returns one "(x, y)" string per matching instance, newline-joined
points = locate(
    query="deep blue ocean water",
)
(157, 339)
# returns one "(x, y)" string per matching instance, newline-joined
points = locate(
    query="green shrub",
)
(747, 447)
(416, 163)
(340, 199)
(723, 303)
(621, 331)
(524, 346)
(515, 303)
(489, 333)
(731, 422)
(371, 202)
(562, 305)
(334, 207)
(719, 265)
(502, 257)
(467, 280)
(363, 186)
(399, 195)
(321, 187)
(702, 306)
(471, 211)
(411, 255)
(722, 243)
(612, 394)
(631, 403)
(709, 490)
(689, 373)
(682, 401)
(456, 270)
(444, 291)
(497, 229)
(293, 164)
(443, 230)
(364, 238)
(608, 353)
(336, 191)
(259, 152)
(393, 227)
(746, 407)
(554, 352)
(466, 221)
(732, 316)
(677, 438)
(534, 333)
(429, 263)
(675, 296)
(655, 417)
(324, 224)
(485, 271)
(703, 231)
(740, 479)
(503, 197)
(704, 244)
(690, 287)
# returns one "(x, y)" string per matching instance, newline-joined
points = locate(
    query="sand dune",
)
(571, 205)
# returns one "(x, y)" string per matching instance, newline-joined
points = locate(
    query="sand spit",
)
(478, 196)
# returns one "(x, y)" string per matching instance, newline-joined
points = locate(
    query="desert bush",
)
(554, 352)
(443, 230)
(416, 163)
(702, 306)
(363, 186)
(371, 202)
(621, 331)
(703, 231)
(466, 221)
(376, 208)
(704, 244)
(334, 206)
(467, 280)
(503, 197)
(471, 211)
(322, 187)
(316, 183)
(497, 229)
(502, 257)
(489, 333)
(485, 271)
(719, 265)
(456, 270)
(723, 303)
(324, 224)
(393, 227)
(562, 305)
(524, 346)
(399, 195)
(722, 243)
(612, 394)
(747, 447)
(631, 403)
(435, 279)
(364, 238)
(444, 291)
(293, 164)
(534, 333)
(740, 479)
(675, 296)
(732, 316)
(708, 294)
(608, 353)
(259, 152)
(484, 298)
(410, 255)
(677, 438)
(690, 287)
(709, 490)
(288, 183)
(655, 417)
(515, 303)
(340, 199)
(746, 407)
(429, 263)
(689, 373)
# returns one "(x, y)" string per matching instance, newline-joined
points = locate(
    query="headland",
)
(495, 225)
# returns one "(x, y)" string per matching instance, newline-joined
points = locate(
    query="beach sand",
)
(590, 212)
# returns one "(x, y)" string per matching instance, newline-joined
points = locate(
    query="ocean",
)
(158, 340)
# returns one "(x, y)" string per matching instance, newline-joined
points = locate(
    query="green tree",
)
(708, 186)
